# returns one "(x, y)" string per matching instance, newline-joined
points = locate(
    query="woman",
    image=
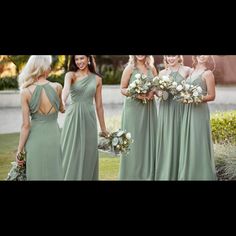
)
(196, 151)
(169, 123)
(40, 137)
(79, 134)
(140, 120)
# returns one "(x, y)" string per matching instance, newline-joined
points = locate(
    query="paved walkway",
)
(10, 117)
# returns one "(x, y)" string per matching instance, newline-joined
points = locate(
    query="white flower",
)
(128, 136)
(174, 84)
(118, 146)
(132, 85)
(137, 76)
(144, 76)
(195, 93)
(165, 78)
(179, 87)
(187, 86)
(138, 82)
(199, 89)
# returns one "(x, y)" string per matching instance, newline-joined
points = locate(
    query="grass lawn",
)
(108, 166)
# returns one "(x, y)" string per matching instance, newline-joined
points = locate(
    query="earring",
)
(89, 63)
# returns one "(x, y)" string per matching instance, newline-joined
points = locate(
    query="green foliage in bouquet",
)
(223, 125)
(117, 142)
(18, 173)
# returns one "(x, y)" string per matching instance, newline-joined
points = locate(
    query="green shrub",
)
(8, 83)
(110, 74)
(225, 160)
(223, 125)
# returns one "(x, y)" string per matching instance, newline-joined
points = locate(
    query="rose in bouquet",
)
(18, 172)
(115, 143)
(141, 86)
(164, 85)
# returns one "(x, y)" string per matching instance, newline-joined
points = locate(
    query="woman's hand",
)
(18, 161)
(104, 133)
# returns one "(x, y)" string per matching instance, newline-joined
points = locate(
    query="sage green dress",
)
(168, 136)
(196, 153)
(140, 120)
(79, 139)
(44, 157)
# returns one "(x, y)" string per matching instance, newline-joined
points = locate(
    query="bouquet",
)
(115, 143)
(188, 93)
(165, 85)
(18, 173)
(141, 86)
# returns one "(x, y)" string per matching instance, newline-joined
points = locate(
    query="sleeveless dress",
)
(196, 151)
(79, 138)
(168, 136)
(43, 150)
(140, 120)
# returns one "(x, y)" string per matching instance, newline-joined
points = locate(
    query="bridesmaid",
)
(79, 134)
(140, 120)
(196, 158)
(40, 138)
(169, 123)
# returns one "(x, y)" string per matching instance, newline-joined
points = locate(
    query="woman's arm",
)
(125, 80)
(99, 105)
(59, 89)
(210, 82)
(25, 127)
(66, 90)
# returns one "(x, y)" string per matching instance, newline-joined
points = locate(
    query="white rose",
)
(174, 84)
(128, 136)
(133, 85)
(137, 76)
(187, 86)
(165, 78)
(199, 89)
(195, 94)
(179, 87)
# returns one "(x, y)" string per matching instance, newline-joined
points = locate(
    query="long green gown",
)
(44, 157)
(79, 138)
(140, 120)
(168, 136)
(196, 152)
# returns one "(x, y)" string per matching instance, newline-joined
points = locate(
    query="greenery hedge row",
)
(108, 73)
(223, 125)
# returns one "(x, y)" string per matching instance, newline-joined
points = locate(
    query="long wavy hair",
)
(91, 65)
(210, 64)
(34, 68)
(181, 60)
(149, 61)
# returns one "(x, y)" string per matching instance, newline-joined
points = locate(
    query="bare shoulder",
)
(187, 68)
(70, 75)
(208, 75)
(98, 79)
(24, 92)
(163, 72)
(58, 85)
(128, 69)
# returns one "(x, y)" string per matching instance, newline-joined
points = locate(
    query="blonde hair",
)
(149, 61)
(210, 65)
(180, 61)
(35, 67)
